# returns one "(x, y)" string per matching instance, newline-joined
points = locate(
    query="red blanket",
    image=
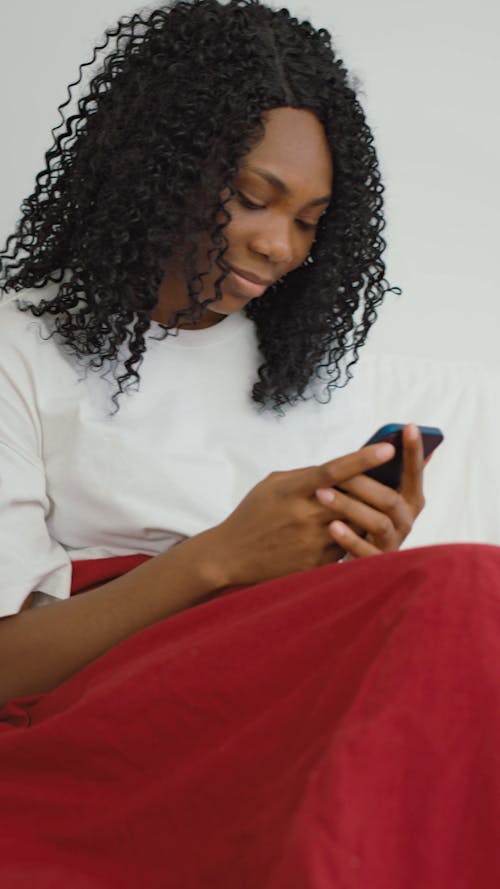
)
(335, 729)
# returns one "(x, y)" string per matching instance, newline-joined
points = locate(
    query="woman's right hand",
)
(280, 528)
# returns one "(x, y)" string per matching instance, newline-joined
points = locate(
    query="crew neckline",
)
(207, 336)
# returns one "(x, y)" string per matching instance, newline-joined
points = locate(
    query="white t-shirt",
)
(177, 458)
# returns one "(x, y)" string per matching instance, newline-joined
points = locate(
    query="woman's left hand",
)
(371, 518)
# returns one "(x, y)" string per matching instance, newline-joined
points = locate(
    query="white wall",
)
(430, 74)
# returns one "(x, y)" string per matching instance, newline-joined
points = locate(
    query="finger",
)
(389, 506)
(349, 541)
(339, 470)
(362, 517)
(370, 491)
(411, 487)
(382, 498)
(412, 478)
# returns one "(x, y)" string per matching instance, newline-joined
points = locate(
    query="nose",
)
(274, 242)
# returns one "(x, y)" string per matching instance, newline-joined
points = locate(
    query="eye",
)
(310, 226)
(250, 205)
(307, 226)
(246, 202)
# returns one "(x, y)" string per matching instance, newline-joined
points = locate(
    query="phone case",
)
(390, 473)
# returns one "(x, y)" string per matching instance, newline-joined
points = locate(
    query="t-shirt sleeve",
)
(31, 560)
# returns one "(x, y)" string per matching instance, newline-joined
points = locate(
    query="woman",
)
(226, 705)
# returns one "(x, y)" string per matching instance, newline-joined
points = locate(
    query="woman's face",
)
(284, 185)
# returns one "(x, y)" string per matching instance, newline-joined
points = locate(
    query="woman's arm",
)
(277, 529)
(41, 647)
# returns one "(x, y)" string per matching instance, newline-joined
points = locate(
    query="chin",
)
(228, 305)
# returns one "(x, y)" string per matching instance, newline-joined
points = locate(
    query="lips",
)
(246, 285)
(249, 276)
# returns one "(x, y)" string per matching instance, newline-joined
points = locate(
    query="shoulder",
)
(22, 334)
(29, 367)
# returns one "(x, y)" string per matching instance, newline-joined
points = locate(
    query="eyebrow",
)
(273, 180)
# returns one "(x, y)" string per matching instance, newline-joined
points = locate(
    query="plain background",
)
(429, 75)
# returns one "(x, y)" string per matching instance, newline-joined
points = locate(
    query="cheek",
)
(244, 230)
(307, 246)
(238, 233)
(302, 250)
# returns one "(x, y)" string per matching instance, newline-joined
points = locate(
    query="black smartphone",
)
(390, 473)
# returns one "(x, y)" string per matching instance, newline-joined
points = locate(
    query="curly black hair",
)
(140, 170)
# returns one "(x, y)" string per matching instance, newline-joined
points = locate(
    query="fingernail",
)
(325, 495)
(385, 450)
(412, 432)
(338, 527)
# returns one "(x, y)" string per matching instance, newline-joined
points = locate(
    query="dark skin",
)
(285, 184)
(273, 226)
(283, 525)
